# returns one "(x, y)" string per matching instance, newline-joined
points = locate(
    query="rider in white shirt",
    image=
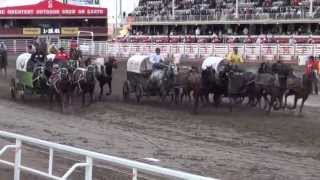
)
(156, 60)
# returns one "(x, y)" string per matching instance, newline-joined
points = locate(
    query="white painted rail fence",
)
(88, 164)
(250, 52)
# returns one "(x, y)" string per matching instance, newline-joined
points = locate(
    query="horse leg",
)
(316, 85)
(110, 88)
(216, 99)
(196, 102)
(101, 90)
(181, 96)
(286, 100)
(295, 102)
(302, 104)
(231, 100)
(271, 104)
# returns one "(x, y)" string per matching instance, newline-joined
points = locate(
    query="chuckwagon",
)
(138, 72)
(30, 77)
(216, 63)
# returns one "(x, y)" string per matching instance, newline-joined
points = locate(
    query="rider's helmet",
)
(235, 49)
(158, 51)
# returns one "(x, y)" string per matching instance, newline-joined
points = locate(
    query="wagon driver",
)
(156, 60)
(61, 57)
(235, 57)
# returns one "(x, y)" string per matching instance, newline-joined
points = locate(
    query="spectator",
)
(292, 41)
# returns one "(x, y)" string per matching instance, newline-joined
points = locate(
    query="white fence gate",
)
(88, 164)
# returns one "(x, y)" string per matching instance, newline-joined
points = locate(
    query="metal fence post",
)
(88, 168)
(107, 48)
(278, 52)
(198, 51)
(134, 174)
(50, 161)
(17, 161)
(260, 53)
(15, 46)
(313, 52)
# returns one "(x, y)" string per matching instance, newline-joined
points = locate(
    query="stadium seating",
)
(186, 10)
(226, 8)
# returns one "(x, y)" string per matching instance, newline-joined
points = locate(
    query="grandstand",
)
(238, 21)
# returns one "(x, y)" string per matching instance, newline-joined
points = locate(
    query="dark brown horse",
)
(84, 81)
(300, 88)
(3, 59)
(104, 74)
(180, 85)
(61, 87)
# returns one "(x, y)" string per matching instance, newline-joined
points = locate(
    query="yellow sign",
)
(31, 31)
(69, 30)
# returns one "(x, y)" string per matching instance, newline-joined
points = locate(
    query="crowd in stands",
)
(263, 39)
(226, 8)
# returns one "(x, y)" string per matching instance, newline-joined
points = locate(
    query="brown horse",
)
(180, 85)
(300, 88)
(194, 86)
(104, 74)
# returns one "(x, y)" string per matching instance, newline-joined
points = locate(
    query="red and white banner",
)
(51, 8)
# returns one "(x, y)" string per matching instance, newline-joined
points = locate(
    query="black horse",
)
(40, 81)
(208, 80)
(3, 60)
(61, 87)
(84, 82)
(104, 75)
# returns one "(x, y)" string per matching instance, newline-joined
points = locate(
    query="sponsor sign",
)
(31, 31)
(69, 30)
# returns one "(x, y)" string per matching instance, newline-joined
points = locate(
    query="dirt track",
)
(246, 144)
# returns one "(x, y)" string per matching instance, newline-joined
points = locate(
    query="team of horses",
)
(63, 81)
(268, 88)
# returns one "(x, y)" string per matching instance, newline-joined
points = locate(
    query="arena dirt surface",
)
(246, 144)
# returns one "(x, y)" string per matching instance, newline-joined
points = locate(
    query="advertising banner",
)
(31, 31)
(69, 30)
(51, 8)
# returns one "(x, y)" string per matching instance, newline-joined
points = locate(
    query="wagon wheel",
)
(13, 89)
(125, 90)
(139, 92)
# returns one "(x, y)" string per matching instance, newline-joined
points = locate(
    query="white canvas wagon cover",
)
(22, 62)
(138, 64)
(214, 62)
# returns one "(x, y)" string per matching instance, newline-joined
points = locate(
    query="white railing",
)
(250, 52)
(88, 164)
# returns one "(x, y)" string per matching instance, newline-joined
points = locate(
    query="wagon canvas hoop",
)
(138, 64)
(23, 76)
(214, 62)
